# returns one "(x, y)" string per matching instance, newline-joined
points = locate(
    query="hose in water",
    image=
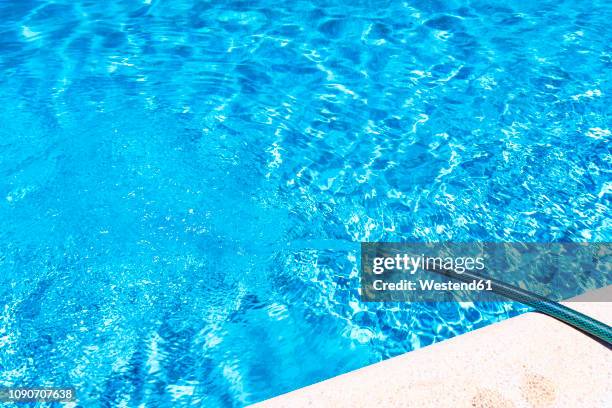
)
(551, 308)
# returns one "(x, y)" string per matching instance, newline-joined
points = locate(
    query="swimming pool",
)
(185, 184)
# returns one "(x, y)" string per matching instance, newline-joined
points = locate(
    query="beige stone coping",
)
(531, 360)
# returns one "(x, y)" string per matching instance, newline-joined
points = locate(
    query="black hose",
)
(578, 320)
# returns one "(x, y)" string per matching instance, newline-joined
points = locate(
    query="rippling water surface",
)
(183, 183)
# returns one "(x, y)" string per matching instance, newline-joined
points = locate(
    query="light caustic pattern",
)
(184, 183)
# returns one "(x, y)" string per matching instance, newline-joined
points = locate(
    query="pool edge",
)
(530, 360)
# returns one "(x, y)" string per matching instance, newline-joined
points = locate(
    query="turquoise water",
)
(184, 184)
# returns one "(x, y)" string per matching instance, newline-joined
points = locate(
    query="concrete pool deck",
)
(531, 360)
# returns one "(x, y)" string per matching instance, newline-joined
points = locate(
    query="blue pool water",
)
(184, 184)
